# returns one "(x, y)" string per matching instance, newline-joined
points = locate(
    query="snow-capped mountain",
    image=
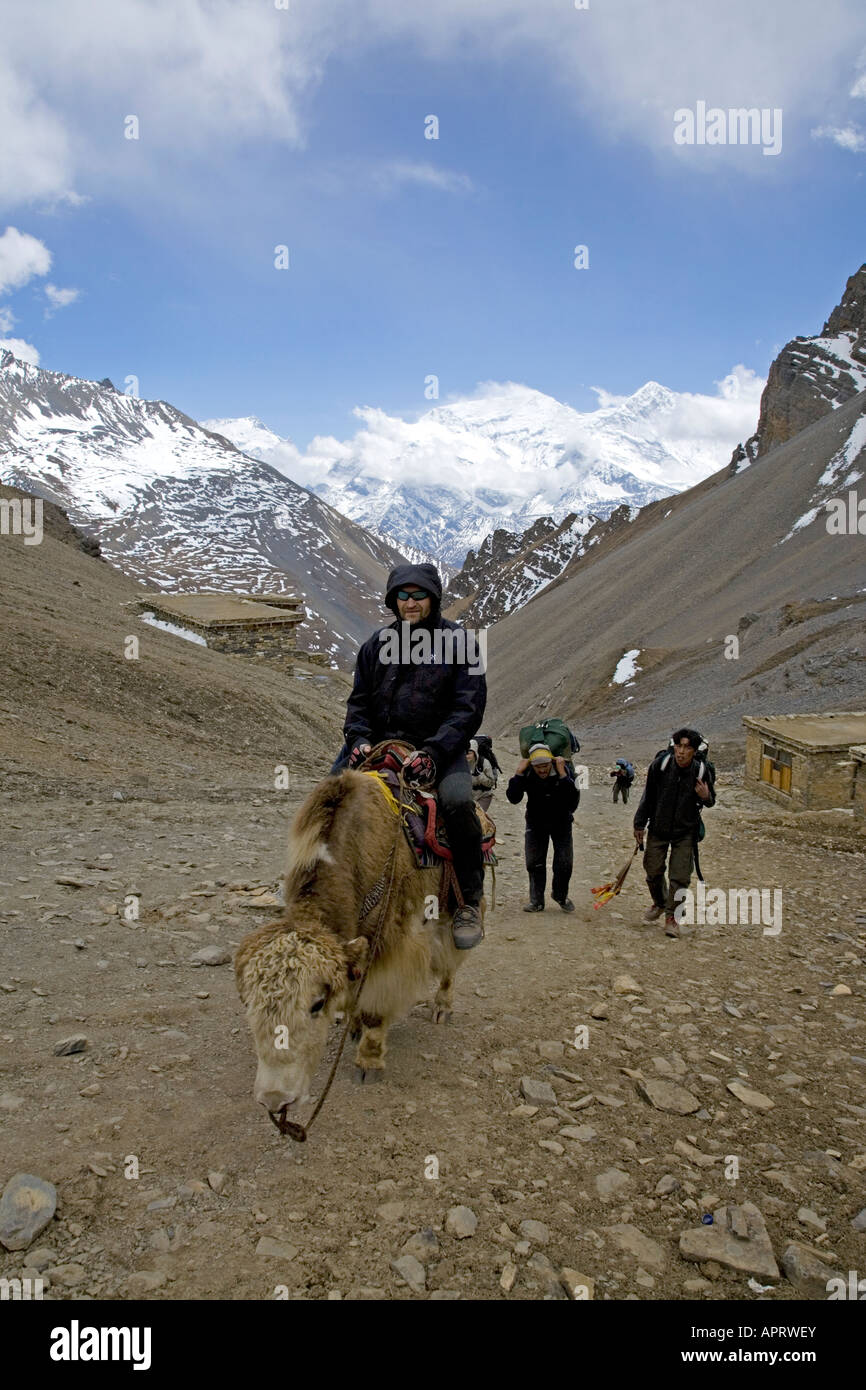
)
(502, 460)
(509, 570)
(178, 508)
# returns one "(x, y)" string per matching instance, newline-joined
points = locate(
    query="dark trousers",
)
(679, 868)
(463, 826)
(620, 787)
(537, 840)
(461, 823)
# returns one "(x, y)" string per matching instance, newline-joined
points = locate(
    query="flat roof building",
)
(807, 762)
(256, 626)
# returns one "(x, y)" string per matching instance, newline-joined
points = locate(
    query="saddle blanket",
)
(422, 820)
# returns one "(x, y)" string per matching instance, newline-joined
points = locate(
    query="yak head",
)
(293, 982)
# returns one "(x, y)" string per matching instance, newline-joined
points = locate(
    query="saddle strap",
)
(446, 883)
(373, 898)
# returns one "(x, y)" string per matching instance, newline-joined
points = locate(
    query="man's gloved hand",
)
(420, 769)
(358, 754)
(638, 834)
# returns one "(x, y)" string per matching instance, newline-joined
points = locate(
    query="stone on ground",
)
(537, 1092)
(749, 1251)
(755, 1100)
(27, 1205)
(668, 1096)
(411, 1271)
(805, 1271)
(461, 1222)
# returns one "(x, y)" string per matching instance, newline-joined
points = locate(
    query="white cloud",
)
(207, 76)
(59, 299)
(721, 420)
(21, 257)
(846, 137)
(7, 320)
(25, 352)
(492, 437)
(429, 175)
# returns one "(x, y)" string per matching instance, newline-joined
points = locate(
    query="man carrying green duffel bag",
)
(558, 737)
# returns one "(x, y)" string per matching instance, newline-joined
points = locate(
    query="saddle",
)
(423, 822)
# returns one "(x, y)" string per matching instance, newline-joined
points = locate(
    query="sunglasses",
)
(417, 594)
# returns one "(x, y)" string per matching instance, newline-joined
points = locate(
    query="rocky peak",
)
(849, 316)
(812, 376)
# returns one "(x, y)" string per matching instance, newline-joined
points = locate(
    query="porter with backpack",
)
(680, 782)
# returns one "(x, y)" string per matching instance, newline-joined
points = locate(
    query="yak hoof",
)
(368, 1077)
(441, 1014)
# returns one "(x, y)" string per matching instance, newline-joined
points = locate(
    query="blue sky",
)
(412, 256)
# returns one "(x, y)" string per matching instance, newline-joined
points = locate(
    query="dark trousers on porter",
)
(679, 868)
(536, 845)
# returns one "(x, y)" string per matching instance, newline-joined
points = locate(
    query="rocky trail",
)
(599, 1090)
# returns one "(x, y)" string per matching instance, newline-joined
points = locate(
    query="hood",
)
(410, 577)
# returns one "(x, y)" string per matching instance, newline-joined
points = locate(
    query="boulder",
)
(27, 1205)
(737, 1239)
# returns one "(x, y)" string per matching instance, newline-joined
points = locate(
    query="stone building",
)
(808, 762)
(242, 625)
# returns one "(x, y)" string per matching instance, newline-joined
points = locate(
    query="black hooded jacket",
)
(436, 704)
(670, 803)
(550, 801)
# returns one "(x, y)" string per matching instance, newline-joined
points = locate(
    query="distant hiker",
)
(551, 800)
(435, 704)
(679, 783)
(623, 773)
(484, 777)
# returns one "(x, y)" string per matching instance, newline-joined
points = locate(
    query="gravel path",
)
(497, 1159)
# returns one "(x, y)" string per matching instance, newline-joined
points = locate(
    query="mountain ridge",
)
(179, 508)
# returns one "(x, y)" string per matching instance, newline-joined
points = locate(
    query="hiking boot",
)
(467, 928)
(534, 907)
(566, 904)
(671, 926)
(653, 913)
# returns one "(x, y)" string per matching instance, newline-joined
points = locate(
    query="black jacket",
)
(437, 705)
(550, 800)
(669, 802)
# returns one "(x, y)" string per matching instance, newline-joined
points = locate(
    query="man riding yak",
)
(437, 705)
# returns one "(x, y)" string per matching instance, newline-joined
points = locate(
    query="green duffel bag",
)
(555, 733)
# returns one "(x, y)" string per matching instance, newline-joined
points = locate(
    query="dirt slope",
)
(675, 585)
(76, 715)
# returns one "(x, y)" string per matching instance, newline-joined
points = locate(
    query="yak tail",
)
(310, 831)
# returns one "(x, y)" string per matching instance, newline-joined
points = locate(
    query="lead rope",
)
(293, 1128)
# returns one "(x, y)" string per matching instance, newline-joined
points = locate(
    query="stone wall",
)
(819, 781)
(831, 781)
(266, 642)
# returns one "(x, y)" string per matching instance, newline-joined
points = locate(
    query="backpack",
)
(701, 769)
(485, 750)
(627, 769)
(555, 733)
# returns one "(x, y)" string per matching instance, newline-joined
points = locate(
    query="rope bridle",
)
(380, 894)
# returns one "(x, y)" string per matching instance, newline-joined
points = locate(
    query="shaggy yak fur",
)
(296, 974)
